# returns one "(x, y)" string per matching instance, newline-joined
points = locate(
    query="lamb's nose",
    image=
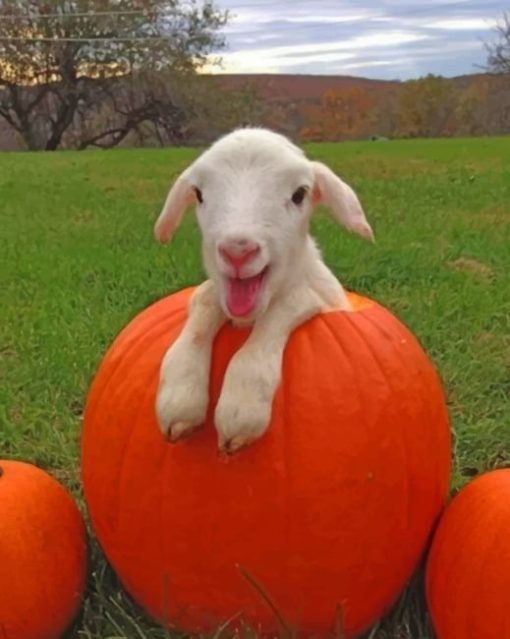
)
(239, 251)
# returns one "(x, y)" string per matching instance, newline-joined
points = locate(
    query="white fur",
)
(247, 180)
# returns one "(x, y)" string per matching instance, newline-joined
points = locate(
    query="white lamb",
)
(254, 193)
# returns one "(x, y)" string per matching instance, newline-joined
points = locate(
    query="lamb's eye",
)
(299, 195)
(198, 193)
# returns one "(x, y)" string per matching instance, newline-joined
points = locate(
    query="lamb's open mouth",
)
(243, 294)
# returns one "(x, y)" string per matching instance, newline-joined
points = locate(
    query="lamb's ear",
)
(181, 196)
(345, 207)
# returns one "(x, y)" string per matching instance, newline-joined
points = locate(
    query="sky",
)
(386, 39)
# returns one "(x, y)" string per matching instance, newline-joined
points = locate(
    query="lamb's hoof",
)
(233, 445)
(180, 430)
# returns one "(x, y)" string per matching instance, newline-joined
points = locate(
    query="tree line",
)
(98, 73)
(431, 106)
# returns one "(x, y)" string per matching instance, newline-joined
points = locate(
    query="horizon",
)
(297, 74)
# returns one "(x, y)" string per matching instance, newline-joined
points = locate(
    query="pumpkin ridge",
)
(384, 373)
(127, 352)
(288, 373)
(133, 431)
(471, 597)
(366, 345)
(428, 376)
(163, 541)
(361, 395)
(337, 338)
(369, 348)
(400, 331)
(354, 371)
(302, 336)
(117, 372)
(287, 462)
(406, 364)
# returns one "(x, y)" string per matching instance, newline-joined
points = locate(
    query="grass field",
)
(78, 261)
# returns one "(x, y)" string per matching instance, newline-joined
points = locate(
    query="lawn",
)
(78, 262)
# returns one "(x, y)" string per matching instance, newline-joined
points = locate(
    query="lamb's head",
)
(254, 193)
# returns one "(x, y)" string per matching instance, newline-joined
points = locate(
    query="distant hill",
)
(281, 87)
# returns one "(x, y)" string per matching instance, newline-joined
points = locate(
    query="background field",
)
(78, 261)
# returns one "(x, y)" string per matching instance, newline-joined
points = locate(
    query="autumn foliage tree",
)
(425, 107)
(61, 62)
(471, 110)
(348, 110)
(342, 114)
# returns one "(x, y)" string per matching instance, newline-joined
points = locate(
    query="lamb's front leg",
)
(244, 408)
(183, 394)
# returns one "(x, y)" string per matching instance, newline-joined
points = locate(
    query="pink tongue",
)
(242, 294)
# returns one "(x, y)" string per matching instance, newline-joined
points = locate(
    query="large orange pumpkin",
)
(468, 569)
(327, 514)
(42, 554)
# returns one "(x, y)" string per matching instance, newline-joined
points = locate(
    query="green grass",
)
(78, 261)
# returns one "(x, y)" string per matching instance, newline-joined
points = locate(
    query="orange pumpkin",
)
(42, 554)
(327, 514)
(468, 569)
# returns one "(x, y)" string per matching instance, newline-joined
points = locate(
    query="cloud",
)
(381, 38)
(285, 56)
(463, 24)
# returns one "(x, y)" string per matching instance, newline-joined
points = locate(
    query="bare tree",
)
(60, 60)
(498, 60)
(161, 108)
(122, 105)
